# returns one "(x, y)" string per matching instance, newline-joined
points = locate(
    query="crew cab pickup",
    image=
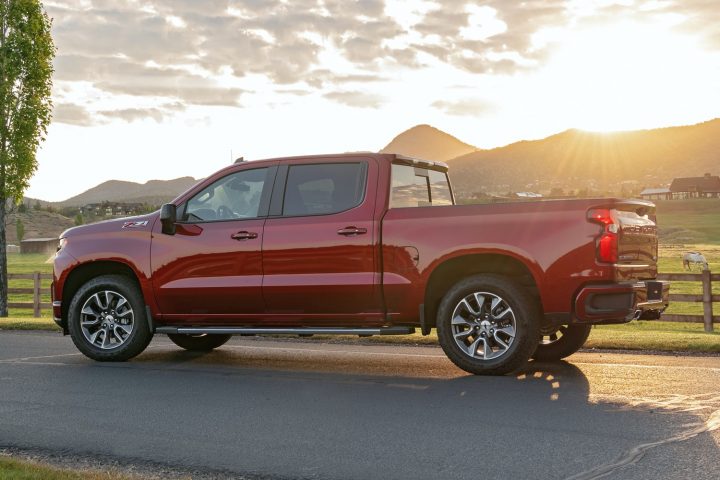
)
(361, 244)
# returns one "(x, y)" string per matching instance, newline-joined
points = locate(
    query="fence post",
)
(707, 300)
(36, 294)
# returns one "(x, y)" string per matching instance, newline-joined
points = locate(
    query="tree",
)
(26, 54)
(79, 219)
(19, 230)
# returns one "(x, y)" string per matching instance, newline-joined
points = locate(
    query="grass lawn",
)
(28, 263)
(12, 469)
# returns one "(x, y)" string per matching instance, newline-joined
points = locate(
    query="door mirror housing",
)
(168, 216)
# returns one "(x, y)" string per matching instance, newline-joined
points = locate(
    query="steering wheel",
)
(224, 212)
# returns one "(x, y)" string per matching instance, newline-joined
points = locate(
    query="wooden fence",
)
(36, 290)
(706, 298)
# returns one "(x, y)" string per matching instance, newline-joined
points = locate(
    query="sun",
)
(627, 76)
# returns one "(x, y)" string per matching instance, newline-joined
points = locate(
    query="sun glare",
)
(627, 76)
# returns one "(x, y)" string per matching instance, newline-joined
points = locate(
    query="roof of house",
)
(655, 191)
(706, 183)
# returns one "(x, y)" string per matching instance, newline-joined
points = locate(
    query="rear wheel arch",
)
(453, 270)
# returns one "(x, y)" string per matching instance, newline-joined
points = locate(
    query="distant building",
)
(39, 245)
(656, 194)
(112, 209)
(707, 186)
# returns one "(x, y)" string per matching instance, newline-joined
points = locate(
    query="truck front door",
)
(211, 269)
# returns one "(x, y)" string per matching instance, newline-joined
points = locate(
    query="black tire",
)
(561, 342)
(127, 347)
(199, 343)
(524, 311)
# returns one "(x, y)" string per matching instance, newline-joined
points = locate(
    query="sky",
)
(160, 89)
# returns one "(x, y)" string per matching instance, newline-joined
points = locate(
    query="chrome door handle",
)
(349, 231)
(243, 235)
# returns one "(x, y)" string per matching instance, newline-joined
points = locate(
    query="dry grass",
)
(13, 469)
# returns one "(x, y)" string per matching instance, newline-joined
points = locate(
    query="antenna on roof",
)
(239, 159)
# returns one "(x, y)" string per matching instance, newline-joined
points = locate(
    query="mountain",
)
(576, 159)
(424, 141)
(153, 192)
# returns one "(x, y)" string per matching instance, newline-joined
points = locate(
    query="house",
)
(696, 187)
(39, 245)
(656, 194)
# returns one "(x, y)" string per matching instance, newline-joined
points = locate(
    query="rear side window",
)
(322, 189)
(418, 187)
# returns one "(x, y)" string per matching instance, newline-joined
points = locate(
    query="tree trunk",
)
(3, 261)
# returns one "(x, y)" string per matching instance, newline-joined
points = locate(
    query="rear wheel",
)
(486, 325)
(107, 320)
(199, 343)
(560, 342)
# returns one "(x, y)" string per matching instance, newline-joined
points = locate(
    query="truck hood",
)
(139, 222)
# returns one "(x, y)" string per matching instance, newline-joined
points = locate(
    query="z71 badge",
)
(134, 224)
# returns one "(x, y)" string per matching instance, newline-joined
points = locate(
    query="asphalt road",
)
(289, 409)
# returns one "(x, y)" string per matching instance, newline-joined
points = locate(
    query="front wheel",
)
(486, 325)
(560, 342)
(107, 321)
(198, 343)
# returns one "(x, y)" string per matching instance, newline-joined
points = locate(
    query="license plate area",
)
(654, 290)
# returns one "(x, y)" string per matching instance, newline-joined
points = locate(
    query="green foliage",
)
(26, 55)
(37, 205)
(19, 230)
(22, 208)
(79, 219)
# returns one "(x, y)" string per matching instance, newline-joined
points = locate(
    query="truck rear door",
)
(319, 246)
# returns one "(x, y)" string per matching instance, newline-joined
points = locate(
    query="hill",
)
(424, 141)
(38, 224)
(153, 192)
(580, 159)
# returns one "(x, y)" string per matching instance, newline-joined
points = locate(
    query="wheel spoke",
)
(500, 341)
(508, 330)
(502, 315)
(125, 328)
(465, 303)
(473, 347)
(464, 334)
(458, 320)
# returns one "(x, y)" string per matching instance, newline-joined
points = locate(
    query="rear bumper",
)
(622, 302)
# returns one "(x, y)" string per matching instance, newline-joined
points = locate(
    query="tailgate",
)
(637, 240)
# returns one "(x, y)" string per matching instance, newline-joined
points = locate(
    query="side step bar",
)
(363, 332)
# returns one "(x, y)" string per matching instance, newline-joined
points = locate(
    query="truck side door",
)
(211, 269)
(320, 244)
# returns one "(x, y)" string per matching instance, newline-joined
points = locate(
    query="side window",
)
(235, 196)
(439, 188)
(418, 187)
(324, 188)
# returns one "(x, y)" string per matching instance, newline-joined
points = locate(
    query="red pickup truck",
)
(361, 244)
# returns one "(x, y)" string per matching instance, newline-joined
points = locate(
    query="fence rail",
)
(37, 305)
(706, 298)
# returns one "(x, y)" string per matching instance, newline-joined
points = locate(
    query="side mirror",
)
(168, 215)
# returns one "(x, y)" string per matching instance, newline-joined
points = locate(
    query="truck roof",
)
(388, 157)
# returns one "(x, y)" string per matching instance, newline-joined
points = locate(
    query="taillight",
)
(607, 243)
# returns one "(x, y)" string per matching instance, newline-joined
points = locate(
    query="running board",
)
(363, 332)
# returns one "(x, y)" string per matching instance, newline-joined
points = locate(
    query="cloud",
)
(355, 99)
(72, 114)
(201, 53)
(470, 107)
